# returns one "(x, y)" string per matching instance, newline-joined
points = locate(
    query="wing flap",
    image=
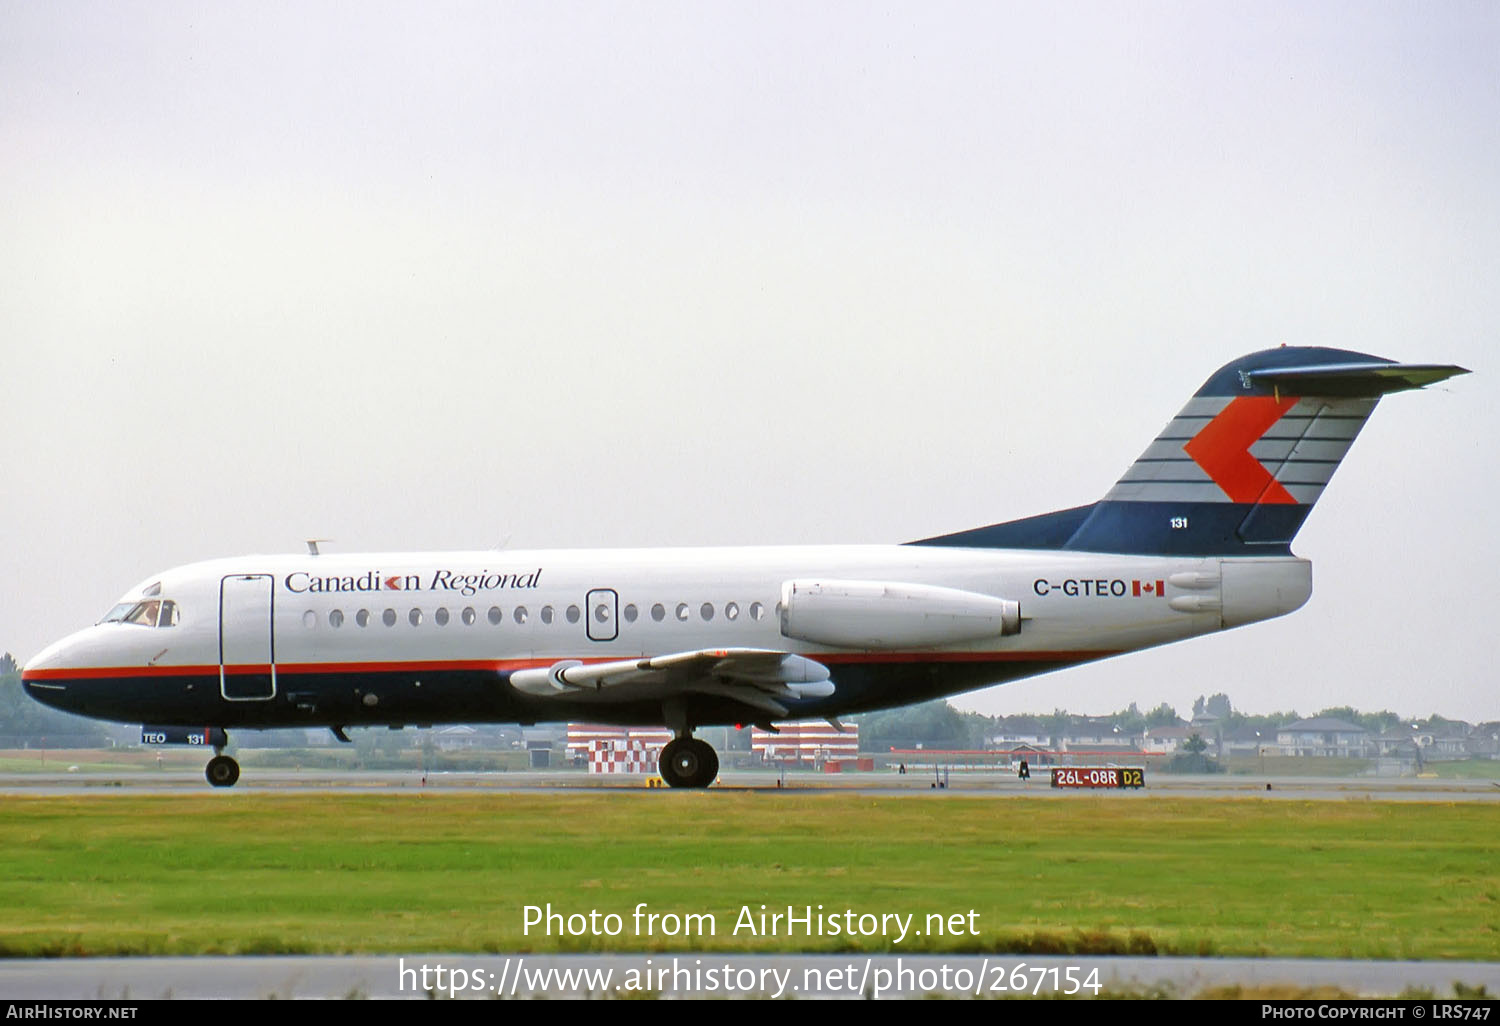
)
(709, 671)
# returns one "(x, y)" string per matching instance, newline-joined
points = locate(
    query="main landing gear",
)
(688, 762)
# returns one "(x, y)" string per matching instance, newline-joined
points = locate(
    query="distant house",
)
(1096, 734)
(1322, 736)
(1452, 742)
(1249, 741)
(1484, 740)
(1015, 738)
(457, 738)
(1167, 740)
(1399, 744)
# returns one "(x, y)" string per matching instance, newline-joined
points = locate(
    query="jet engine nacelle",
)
(546, 681)
(890, 615)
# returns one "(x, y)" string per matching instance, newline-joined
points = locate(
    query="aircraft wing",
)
(757, 677)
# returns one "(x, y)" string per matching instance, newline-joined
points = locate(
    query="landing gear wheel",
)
(688, 762)
(222, 771)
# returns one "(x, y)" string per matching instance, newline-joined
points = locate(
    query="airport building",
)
(809, 743)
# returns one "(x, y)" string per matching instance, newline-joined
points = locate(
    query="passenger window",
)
(388, 618)
(682, 611)
(757, 611)
(336, 618)
(496, 616)
(362, 618)
(658, 613)
(546, 614)
(573, 614)
(415, 616)
(601, 612)
(520, 614)
(469, 616)
(441, 616)
(309, 619)
(732, 611)
(631, 613)
(707, 611)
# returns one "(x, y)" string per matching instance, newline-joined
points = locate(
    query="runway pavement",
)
(955, 783)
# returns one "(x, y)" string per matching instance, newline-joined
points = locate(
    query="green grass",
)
(241, 873)
(1465, 769)
(1297, 766)
(97, 760)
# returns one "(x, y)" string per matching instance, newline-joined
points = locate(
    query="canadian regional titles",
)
(751, 921)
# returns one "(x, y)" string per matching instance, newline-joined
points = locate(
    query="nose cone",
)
(46, 663)
(54, 695)
(43, 676)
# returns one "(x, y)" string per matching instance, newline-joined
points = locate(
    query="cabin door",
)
(247, 646)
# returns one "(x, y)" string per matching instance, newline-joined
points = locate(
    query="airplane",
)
(1194, 538)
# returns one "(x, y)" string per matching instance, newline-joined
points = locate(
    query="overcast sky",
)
(552, 275)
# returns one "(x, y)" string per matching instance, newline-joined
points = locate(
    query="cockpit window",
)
(144, 613)
(118, 613)
(155, 613)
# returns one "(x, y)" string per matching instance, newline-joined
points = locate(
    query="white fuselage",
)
(316, 626)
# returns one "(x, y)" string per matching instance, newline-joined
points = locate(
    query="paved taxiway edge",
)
(844, 975)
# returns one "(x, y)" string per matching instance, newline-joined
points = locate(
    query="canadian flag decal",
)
(1157, 588)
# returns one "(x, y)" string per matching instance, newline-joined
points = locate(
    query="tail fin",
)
(1238, 470)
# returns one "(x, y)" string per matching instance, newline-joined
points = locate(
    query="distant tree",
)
(1380, 722)
(1375, 723)
(1267, 724)
(7, 665)
(929, 725)
(390, 743)
(364, 746)
(23, 717)
(1162, 716)
(1057, 725)
(1218, 706)
(1193, 759)
(1130, 721)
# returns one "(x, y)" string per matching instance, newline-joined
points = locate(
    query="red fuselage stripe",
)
(507, 665)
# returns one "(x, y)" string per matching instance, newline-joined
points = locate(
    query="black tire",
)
(688, 762)
(710, 763)
(222, 771)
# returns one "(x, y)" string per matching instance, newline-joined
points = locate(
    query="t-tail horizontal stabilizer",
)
(1238, 470)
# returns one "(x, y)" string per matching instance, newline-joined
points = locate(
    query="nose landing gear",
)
(222, 771)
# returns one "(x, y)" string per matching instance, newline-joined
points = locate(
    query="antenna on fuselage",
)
(312, 545)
